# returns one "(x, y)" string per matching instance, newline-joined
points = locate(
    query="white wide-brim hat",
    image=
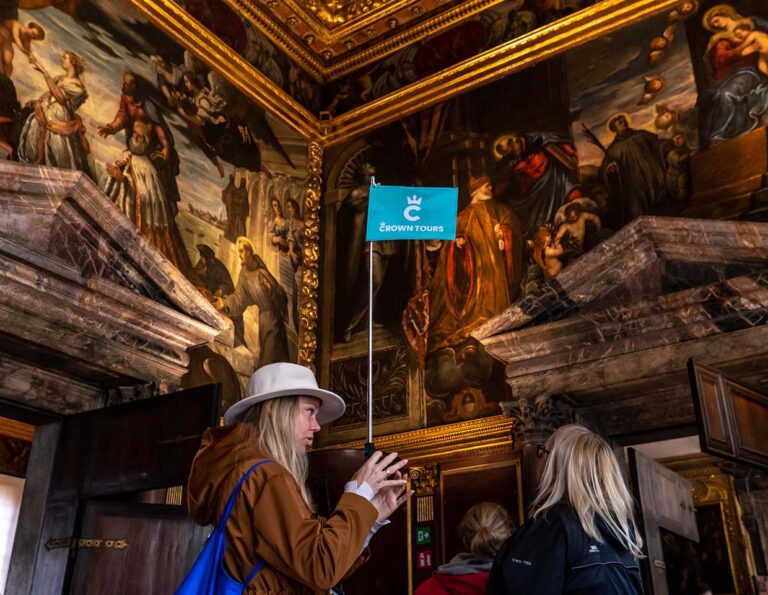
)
(284, 380)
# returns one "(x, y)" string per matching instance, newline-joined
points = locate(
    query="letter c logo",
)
(410, 209)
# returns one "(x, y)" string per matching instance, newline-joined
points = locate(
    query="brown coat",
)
(302, 554)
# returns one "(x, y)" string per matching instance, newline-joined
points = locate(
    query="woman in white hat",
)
(273, 517)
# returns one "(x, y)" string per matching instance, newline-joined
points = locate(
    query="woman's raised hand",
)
(379, 472)
(388, 500)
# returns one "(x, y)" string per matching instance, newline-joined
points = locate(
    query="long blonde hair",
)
(484, 528)
(275, 423)
(583, 470)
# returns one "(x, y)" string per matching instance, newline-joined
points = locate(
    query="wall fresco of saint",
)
(549, 163)
(214, 183)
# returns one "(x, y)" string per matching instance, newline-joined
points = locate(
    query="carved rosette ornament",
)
(534, 419)
(308, 306)
(423, 479)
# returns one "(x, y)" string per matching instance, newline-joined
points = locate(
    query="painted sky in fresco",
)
(606, 77)
(102, 35)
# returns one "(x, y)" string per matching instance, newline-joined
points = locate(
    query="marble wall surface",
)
(613, 332)
(88, 307)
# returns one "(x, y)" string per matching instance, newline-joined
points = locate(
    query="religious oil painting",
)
(549, 162)
(209, 179)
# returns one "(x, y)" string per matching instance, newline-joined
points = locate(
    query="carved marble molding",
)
(614, 330)
(86, 302)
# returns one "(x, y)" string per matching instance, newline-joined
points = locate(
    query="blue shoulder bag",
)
(208, 575)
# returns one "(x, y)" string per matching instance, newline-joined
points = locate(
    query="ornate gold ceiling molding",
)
(264, 21)
(515, 55)
(418, 31)
(187, 32)
(324, 69)
(478, 436)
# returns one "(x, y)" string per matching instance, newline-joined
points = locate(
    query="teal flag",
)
(411, 213)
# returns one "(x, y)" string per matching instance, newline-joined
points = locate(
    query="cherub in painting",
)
(573, 229)
(546, 252)
(752, 42)
(14, 33)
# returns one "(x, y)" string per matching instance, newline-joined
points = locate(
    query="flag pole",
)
(369, 443)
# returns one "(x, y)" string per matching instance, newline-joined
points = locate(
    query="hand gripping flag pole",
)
(403, 213)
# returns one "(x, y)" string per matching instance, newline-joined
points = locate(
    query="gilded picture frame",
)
(712, 487)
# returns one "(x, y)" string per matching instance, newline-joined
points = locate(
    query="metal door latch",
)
(73, 544)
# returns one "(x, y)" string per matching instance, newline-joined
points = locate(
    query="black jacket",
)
(552, 555)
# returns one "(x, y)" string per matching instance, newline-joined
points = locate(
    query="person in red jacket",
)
(482, 531)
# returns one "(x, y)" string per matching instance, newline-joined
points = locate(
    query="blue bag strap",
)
(228, 511)
(235, 492)
(253, 572)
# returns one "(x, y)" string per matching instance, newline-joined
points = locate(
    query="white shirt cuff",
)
(363, 490)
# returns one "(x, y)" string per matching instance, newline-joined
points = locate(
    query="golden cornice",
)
(479, 436)
(254, 14)
(418, 31)
(515, 55)
(327, 70)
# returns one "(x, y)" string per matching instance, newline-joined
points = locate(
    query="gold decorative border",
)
(262, 20)
(525, 51)
(324, 70)
(486, 435)
(308, 306)
(390, 45)
(517, 54)
(712, 486)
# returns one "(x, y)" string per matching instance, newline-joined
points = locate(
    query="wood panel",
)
(731, 417)
(162, 545)
(665, 499)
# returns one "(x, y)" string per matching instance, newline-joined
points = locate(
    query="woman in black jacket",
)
(581, 538)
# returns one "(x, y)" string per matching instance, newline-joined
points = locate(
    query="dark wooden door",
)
(665, 499)
(102, 459)
(156, 544)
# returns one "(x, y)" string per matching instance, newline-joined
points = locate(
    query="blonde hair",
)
(275, 423)
(484, 528)
(583, 470)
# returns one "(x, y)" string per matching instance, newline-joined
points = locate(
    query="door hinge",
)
(73, 544)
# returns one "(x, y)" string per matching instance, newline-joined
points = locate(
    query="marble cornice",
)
(86, 302)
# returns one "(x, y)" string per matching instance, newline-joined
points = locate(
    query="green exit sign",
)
(423, 535)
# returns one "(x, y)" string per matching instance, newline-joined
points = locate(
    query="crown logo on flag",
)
(414, 200)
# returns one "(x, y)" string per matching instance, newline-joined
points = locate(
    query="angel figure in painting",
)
(572, 224)
(19, 35)
(546, 252)
(54, 133)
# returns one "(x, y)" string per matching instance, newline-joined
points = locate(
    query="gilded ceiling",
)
(334, 37)
(335, 69)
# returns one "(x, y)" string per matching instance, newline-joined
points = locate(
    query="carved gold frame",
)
(515, 55)
(712, 486)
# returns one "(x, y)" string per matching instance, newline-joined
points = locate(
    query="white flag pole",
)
(369, 443)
